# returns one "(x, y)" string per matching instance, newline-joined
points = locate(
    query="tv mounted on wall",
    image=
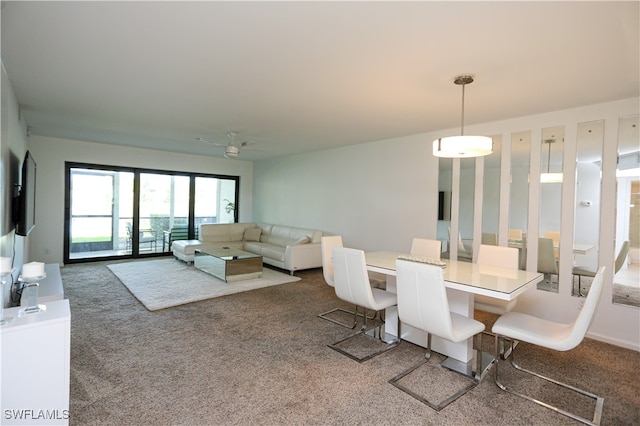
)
(25, 203)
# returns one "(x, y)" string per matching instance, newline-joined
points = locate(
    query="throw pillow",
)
(304, 240)
(252, 234)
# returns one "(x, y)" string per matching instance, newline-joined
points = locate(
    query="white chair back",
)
(515, 234)
(422, 298)
(554, 235)
(328, 243)
(546, 258)
(502, 257)
(427, 248)
(350, 277)
(583, 321)
(490, 238)
(622, 255)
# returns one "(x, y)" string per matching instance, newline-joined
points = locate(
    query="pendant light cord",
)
(462, 118)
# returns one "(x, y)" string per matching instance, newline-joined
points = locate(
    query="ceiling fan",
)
(232, 149)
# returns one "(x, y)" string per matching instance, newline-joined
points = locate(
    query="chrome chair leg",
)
(376, 333)
(355, 313)
(325, 316)
(439, 406)
(597, 416)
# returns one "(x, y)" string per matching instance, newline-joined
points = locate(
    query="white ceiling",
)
(303, 76)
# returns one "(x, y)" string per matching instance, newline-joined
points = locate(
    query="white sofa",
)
(285, 247)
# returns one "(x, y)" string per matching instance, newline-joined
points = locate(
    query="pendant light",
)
(549, 177)
(462, 146)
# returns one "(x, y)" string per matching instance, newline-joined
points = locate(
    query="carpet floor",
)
(165, 283)
(261, 357)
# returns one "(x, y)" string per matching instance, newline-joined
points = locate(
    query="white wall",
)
(377, 195)
(46, 239)
(13, 146)
(380, 195)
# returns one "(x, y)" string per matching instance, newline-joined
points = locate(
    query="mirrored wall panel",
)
(491, 194)
(589, 142)
(550, 201)
(445, 166)
(519, 193)
(467, 193)
(626, 281)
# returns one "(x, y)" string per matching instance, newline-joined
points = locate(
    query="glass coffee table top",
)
(227, 253)
(228, 264)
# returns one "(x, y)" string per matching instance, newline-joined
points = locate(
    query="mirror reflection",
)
(586, 234)
(626, 282)
(467, 191)
(445, 166)
(519, 193)
(491, 194)
(550, 202)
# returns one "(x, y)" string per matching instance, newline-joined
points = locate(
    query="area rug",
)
(160, 284)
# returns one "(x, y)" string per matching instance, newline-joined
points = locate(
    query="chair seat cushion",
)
(579, 270)
(382, 299)
(464, 327)
(537, 331)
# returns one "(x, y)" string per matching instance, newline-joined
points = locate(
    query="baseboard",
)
(616, 342)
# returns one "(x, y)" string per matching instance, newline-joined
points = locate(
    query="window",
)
(114, 212)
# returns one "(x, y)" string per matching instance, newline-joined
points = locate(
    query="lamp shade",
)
(550, 177)
(462, 146)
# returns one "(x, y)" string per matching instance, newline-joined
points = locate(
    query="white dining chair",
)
(423, 304)
(502, 257)
(327, 244)
(431, 249)
(352, 285)
(582, 271)
(555, 237)
(464, 253)
(516, 326)
(489, 238)
(515, 234)
(546, 259)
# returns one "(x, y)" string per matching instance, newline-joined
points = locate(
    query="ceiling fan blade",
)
(211, 142)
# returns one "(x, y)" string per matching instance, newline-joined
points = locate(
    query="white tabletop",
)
(577, 248)
(500, 283)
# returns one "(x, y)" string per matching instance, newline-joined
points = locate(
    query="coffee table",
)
(228, 264)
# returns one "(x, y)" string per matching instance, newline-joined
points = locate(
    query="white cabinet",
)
(35, 366)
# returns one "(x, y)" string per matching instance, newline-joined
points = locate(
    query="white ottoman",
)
(185, 249)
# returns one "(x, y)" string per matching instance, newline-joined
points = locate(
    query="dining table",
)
(463, 281)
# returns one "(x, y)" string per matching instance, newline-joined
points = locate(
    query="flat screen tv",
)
(25, 202)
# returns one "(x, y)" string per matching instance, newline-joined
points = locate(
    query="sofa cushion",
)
(304, 240)
(266, 231)
(252, 234)
(273, 252)
(214, 234)
(236, 230)
(278, 241)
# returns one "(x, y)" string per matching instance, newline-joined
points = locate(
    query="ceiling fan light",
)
(231, 151)
(462, 146)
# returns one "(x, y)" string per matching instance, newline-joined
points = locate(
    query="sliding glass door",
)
(102, 202)
(164, 205)
(114, 212)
